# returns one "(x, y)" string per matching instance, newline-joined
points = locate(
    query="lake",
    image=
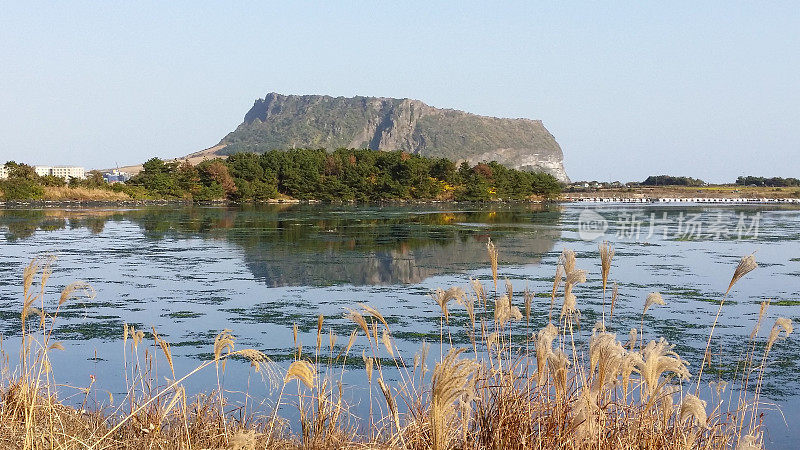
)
(190, 272)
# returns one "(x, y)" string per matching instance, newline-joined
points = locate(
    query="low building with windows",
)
(65, 172)
(3, 172)
(116, 176)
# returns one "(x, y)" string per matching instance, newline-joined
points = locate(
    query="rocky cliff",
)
(317, 121)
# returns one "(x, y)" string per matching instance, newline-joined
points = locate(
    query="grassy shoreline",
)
(105, 197)
(495, 391)
(687, 192)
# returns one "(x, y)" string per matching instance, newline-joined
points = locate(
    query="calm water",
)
(191, 272)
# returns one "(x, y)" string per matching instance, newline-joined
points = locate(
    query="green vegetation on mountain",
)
(343, 175)
(316, 121)
(304, 174)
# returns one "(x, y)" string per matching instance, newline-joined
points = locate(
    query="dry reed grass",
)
(66, 193)
(496, 394)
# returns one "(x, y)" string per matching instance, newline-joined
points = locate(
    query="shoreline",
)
(710, 200)
(561, 200)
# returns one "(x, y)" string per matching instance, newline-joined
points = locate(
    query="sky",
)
(629, 89)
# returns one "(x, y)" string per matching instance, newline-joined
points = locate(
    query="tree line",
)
(342, 175)
(768, 182)
(307, 174)
(667, 180)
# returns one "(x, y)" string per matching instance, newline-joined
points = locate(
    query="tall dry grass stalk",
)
(746, 265)
(614, 293)
(606, 255)
(609, 395)
(451, 382)
(493, 255)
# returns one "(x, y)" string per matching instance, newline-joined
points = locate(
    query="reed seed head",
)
(570, 305)
(492, 250)
(30, 271)
(387, 342)
(504, 311)
(223, 341)
(261, 363)
(167, 353)
(746, 265)
(390, 403)
(559, 363)
(606, 255)
(544, 347)
(368, 363)
(136, 336)
(243, 440)
(633, 339)
(443, 297)
(568, 260)
(587, 416)
(421, 357)
(631, 361)
(351, 341)
(781, 324)
(320, 318)
(748, 442)
(76, 290)
(761, 311)
(667, 403)
(576, 276)
(358, 319)
(528, 296)
(374, 313)
(605, 354)
(331, 339)
(695, 408)
(653, 298)
(303, 371)
(614, 293)
(469, 305)
(659, 358)
(451, 381)
(478, 288)
(57, 346)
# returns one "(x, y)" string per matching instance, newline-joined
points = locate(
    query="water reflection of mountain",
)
(321, 245)
(392, 266)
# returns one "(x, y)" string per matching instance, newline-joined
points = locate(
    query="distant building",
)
(3, 172)
(65, 172)
(42, 171)
(116, 176)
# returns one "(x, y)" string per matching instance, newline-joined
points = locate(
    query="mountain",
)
(319, 121)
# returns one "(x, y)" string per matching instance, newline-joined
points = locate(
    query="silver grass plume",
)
(746, 265)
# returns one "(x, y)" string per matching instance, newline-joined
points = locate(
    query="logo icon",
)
(591, 225)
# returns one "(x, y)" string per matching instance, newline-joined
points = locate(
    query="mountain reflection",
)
(302, 245)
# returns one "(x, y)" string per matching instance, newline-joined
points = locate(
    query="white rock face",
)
(525, 159)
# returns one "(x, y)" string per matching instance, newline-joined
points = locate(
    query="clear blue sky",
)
(629, 89)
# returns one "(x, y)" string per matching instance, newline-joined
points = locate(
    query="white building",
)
(3, 172)
(116, 176)
(42, 171)
(65, 172)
